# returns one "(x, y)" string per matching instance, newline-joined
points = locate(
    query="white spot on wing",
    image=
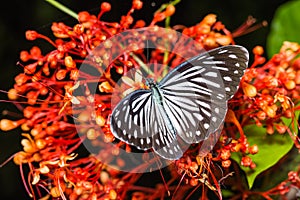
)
(220, 68)
(198, 116)
(175, 148)
(207, 113)
(135, 133)
(135, 119)
(165, 149)
(232, 56)
(202, 57)
(157, 141)
(220, 96)
(206, 126)
(214, 62)
(119, 123)
(187, 134)
(214, 119)
(211, 74)
(223, 51)
(227, 78)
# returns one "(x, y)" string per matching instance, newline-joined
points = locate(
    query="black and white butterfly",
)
(188, 104)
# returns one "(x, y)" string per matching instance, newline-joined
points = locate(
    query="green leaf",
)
(271, 148)
(285, 26)
(227, 193)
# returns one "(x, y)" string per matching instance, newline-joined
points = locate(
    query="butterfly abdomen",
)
(159, 100)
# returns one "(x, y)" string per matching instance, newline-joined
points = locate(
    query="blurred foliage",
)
(284, 26)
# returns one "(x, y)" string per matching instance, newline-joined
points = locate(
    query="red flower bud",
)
(246, 161)
(258, 50)
(105, 7)
(31, 35)
(170, 10)
(249, 90)
(253, 149)
(137, 4)
(226, 163)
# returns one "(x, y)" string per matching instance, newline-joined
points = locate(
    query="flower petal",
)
(128, 81)
(138, 77)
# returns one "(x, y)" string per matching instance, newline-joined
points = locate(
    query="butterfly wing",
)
(196, 92)
(138, 120)
(165, 142)
(130, 119)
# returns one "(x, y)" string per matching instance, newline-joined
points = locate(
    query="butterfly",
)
(188, 104)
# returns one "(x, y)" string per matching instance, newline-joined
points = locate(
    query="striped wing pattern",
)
(138, 120)
(194, 103)
(196, 92)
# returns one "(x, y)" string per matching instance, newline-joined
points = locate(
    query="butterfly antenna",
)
(177, 187)
(194, 190)
(147, 51)
(162, 176)
(147, 55)
(141, 63)
(147, 58)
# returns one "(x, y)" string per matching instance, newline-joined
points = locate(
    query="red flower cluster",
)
(51, 140)
(269, 92)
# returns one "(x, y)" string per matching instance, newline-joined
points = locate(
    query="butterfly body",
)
(158, 99)
(188, 104)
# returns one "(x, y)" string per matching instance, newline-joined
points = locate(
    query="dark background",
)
(18, 16)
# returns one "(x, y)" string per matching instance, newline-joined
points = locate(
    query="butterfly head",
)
(150, 82)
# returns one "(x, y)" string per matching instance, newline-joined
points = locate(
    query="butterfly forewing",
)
(231, 63)
(194, 103)
(196, 92)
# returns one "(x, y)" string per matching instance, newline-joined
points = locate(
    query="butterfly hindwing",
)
(165, 142)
